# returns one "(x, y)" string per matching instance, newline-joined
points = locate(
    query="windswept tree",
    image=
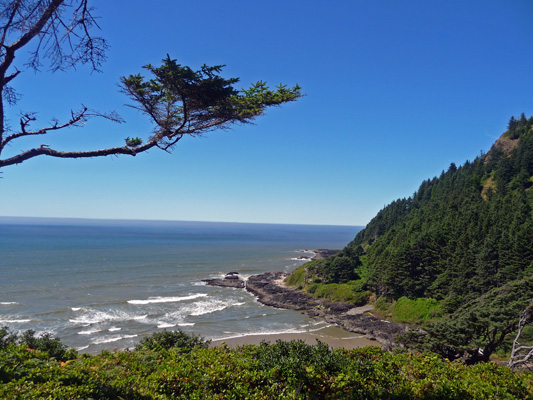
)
(178, 100)
(480, 327)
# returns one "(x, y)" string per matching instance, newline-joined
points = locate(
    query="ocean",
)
(104, 284)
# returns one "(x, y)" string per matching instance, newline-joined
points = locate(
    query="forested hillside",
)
(459, 236)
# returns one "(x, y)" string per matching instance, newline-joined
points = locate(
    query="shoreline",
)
(334, 336)
(270, 289)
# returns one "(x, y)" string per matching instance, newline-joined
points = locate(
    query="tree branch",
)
(29, 35)
(43, 150)
(517, 349)
(77, 118)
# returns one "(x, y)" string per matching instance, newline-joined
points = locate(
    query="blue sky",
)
(395, 92)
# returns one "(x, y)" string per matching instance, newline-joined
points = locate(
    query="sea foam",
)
(95, 316)
(111, 339)
(167, 299)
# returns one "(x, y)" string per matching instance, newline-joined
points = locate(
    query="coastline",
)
(270, 289)
(334, 336)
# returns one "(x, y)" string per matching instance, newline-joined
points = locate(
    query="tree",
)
(520, 353)
(480, 327)
(178, 100)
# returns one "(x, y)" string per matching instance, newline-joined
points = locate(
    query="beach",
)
(333, 336)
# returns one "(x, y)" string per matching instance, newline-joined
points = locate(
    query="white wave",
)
(89, 332)
(96, 316)
(301, 259)
(75, 308)
(262, 333)
(186, 324)
(14, 321)
(305, 251)
(208, 307)
(8, 303)
(114, 329)
(167, 299)
(162, 325)
(81, 348)
(112, 339)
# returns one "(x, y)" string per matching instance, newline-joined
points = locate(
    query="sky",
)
(394, 92)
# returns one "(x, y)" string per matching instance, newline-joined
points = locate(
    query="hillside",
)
(459, 236)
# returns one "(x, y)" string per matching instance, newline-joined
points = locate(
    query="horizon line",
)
(87, 219)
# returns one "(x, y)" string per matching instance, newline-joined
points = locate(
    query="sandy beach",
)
(334, 336)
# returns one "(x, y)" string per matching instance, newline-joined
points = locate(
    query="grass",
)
(415, 311)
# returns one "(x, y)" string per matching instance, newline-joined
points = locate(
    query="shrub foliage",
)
(283, 370)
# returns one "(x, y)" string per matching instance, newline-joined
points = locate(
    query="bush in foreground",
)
(167, 340)
(44, 342)
(283, 370)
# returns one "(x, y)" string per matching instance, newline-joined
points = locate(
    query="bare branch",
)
(518, 349)
(9, 22)
(78, 118)
(45, 150)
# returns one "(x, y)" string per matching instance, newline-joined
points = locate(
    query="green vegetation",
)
(177, 340)
(460, 238)
(478, 328)
(284, 370)
(415, 310)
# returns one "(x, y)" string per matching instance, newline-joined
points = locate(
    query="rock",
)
(231, 279)
(324, 253)
(270, 291)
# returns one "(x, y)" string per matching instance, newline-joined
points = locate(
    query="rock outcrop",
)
(231, 279)
(270, 290)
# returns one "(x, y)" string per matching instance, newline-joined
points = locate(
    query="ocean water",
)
(100, 284)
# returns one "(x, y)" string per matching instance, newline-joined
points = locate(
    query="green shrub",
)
(415, 310)
(383, 304)
(43, 342)
(361, 298)
(297, 277)
(284, 370)
(340, 292)
(312, 288)
(7, 337)
(172, 339)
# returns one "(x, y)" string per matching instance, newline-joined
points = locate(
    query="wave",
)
(163, 325)
(111, 339)
(114, 329)
(262, 333)
(89, 332)
(167, 299)
(8, 303)
(14, 321)
(95, 316)
(208, 307)
(76, 308)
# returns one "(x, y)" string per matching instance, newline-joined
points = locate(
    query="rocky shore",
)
(269, 288)
(231, 279)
